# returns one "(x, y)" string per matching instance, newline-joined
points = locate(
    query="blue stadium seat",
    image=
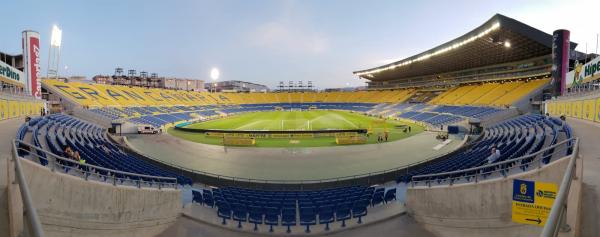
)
(326, 215)
(272, 217)
(255, 216)
(308, 217)
(342, 213)
(288, 218)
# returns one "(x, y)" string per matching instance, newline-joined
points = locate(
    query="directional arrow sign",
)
(534, 220)
(532, 201)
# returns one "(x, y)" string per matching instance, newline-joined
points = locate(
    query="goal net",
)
(296, 124)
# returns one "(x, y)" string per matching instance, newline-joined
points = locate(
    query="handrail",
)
(29, 209)
(558, 211)
(494, 164)
(161, 180)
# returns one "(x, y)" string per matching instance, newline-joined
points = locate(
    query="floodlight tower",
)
(214, 75)
(54, 52)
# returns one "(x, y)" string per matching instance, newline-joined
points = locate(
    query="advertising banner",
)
(31, 61)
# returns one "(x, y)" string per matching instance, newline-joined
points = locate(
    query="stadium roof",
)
(498, 40)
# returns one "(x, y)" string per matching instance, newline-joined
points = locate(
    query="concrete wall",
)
(482, 209)
(70, 206)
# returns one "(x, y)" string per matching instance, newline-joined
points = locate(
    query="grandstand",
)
(454, 107)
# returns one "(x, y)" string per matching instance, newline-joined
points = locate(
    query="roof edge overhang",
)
(494, 23)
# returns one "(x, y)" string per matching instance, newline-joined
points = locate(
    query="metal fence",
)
(557, 221)
(502, 168)
(88, 171)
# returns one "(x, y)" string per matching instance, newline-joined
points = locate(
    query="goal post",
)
(378, 124)
(297, 124)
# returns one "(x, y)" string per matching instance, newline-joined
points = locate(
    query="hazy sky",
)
(267, 41)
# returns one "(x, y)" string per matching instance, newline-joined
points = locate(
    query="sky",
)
(267, 41)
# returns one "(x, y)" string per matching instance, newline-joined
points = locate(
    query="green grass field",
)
(297, 120)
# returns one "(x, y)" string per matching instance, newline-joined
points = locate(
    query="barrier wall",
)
(14, 108)
(70, 206)
(587, 108)
(477, 209)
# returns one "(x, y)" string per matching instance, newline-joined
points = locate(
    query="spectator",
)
(385, 134)
(494, 156)
(76, 156)
(69, 152)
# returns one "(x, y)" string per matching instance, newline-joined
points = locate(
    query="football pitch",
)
(289, 120)
(298, 120)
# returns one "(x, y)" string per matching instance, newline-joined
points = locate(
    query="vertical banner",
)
(560, 60)
(577, 107)
(589, 106)
(597, 112)
(3, 109)
(568, 109)
(31, 61)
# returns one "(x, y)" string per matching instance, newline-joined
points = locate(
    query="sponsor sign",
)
(31, 59)
(10, 74)
(532, 201)
(584, 73)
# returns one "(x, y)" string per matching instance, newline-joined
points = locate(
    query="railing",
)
(87, 171)
(557, 220)
(534, 160)
(34, 226)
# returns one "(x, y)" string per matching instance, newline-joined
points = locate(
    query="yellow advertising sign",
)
(532, 201)
(589, 108)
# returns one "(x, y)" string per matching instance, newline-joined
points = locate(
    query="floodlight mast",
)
(54, 52)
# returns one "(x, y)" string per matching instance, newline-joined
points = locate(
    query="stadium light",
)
(429, 55)
(214, 73)
(507, 44)
(56, 36)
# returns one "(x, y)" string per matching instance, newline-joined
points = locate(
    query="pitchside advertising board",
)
(31, 59)
(11, 75)
(532, 201)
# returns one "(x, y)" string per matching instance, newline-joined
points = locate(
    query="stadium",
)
(483, 135)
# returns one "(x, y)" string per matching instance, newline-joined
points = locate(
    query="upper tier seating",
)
(98, 96)
(489, 94)
(442, 114)
(516, 137)
(293, 207)
(55, 132)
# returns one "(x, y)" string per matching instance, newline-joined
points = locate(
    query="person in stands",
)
(76, 156)
(69, 152)
(494, 156)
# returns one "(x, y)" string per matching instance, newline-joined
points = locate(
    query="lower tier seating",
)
(520, 136)
(290, 208)
(57, 132)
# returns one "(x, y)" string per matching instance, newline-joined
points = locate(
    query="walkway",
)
(589, 149)
(291, 163)
(8, 131)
